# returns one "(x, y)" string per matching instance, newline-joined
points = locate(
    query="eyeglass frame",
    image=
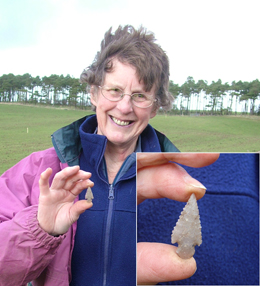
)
(131, 95)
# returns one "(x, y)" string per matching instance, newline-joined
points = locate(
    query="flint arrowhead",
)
(187, 232)
(89, 195)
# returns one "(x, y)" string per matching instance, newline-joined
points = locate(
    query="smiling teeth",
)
(119, 122)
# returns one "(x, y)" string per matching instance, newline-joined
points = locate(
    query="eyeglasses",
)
(116, 94)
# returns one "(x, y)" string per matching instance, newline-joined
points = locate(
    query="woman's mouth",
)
(121, 122)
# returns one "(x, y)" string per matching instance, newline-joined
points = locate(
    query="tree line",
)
(217, 97)
(53, 90)
(198, 97)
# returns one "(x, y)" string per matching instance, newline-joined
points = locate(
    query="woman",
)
(46, 235)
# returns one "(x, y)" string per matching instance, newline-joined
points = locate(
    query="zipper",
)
(107, 231)
(111, 192)
(111, 196)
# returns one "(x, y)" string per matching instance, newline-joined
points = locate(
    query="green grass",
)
(189, 134)
(41, 122)
(211, 133)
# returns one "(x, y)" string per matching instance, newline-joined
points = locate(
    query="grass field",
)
(211, 133)
(189, 134)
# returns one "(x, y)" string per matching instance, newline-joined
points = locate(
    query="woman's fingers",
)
(196, 160)
(57, 210)
(158, 262)
(79, 186)
(167, 181)
(76, 180)
(44, 181)
(159, 177)
(68, 177)
(71, 179)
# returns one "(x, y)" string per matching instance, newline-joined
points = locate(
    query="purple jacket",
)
(19, 228)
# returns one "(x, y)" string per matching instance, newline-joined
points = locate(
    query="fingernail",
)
(193, 182)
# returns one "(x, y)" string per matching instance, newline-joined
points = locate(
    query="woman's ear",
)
(93, 95)
(154, 111)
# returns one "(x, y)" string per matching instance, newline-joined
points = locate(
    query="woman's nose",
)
(125, 104)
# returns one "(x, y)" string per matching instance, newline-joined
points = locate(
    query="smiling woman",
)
(56, 236)
(121, 121)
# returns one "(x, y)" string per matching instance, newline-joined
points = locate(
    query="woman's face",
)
(122, 122)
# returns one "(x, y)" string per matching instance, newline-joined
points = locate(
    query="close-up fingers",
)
(158, 262)
(195, 160)
(168, 180)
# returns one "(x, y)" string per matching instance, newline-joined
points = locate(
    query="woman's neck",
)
(115, 157)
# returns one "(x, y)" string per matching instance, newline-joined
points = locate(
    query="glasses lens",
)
(112, 93)
(142, 100)
(116, 94)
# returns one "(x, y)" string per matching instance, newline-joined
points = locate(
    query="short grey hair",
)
(137, 48)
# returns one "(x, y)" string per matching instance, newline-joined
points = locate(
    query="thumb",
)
(167, 181)
(158, 262)
(78, 208)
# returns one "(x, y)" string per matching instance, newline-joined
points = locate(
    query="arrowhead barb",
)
(187, 232)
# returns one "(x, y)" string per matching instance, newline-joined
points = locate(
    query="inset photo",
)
(198, 219)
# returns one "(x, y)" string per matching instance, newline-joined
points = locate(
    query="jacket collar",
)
(66, 142)
(93, 144)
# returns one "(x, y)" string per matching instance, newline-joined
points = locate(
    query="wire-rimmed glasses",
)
(116, 94)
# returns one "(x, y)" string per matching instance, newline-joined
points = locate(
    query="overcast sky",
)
(206, 39)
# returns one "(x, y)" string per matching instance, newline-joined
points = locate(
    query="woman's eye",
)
(139, 95)
(115, 90)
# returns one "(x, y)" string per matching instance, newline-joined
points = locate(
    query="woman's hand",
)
(57, 210)
(159, 177)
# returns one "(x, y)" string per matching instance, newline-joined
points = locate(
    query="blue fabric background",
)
(229, 214)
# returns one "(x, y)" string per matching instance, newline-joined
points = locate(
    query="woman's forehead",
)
(123, 75)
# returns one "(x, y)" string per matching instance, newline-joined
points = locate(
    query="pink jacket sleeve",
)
(25, 249)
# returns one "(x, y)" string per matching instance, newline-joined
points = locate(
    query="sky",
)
(205, 39)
